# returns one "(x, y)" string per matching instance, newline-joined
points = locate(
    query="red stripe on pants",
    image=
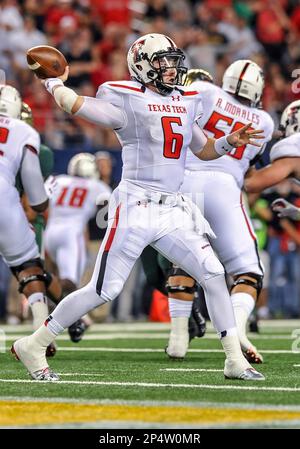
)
(113, 229)
(246, 219)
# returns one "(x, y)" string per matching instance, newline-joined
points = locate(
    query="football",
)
(46, 61)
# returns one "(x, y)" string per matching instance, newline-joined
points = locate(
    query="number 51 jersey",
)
(224, 114)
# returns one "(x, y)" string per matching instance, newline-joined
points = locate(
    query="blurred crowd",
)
(94, 36)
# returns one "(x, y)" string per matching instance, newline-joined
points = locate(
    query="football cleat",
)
(33, 358)
(253, 356)
(178, 346)
(46, 375)
(248, 374)
(175, 354)
(77, 329)
(240, 371)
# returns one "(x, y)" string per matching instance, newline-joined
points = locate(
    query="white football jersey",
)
(156, 133)
(14, 135)
(222, 115)
(74, 201)
(287, 147)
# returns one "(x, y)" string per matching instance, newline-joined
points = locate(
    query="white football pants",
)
(137, 218)
(67, 248)
(220, 200)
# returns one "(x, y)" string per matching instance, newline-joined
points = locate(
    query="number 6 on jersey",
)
(172, 141)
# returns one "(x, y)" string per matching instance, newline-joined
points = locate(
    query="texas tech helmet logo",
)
(136, 50)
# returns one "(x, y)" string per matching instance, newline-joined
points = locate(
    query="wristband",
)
(222, 146)
(50, 83)
(64, 97)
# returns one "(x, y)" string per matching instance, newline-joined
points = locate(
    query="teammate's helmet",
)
(162, 49)
(197, 75)
(83, 165)
(244, 78)
(26, 114)
(290, 119)
(10, 101)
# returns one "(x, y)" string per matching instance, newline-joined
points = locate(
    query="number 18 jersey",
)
(74, 201)
(224, 114)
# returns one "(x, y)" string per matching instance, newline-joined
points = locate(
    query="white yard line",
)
(143, 336)
(160, 350)
(151, 385)
(82, 374)
(183, 370)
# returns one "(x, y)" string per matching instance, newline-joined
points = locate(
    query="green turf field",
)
(119, 375)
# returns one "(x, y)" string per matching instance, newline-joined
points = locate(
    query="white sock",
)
(54, 327)
(243, 304)
(36, 297)
(39, 309)
(180, 308)
(180, 312)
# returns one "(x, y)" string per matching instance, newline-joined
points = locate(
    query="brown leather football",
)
(46, 61)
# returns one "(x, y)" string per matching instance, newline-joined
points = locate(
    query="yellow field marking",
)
(15, 413)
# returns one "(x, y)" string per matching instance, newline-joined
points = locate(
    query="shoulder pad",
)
(288, 147)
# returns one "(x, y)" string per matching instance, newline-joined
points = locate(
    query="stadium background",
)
(119, 376)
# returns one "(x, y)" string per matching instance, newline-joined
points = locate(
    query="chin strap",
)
(163, 88)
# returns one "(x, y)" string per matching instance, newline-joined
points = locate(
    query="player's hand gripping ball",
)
(46, 61)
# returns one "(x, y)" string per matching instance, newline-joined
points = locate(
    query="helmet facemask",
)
(163, 61)
(151, 57)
